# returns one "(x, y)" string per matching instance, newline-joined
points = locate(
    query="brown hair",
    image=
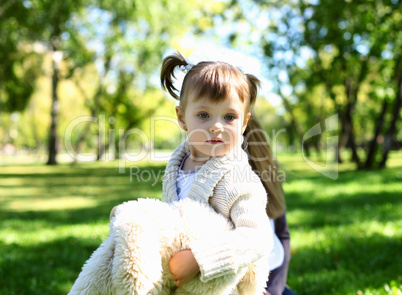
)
(262, 162)
(216, 80)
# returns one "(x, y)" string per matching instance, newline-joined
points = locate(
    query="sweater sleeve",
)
(241, 247)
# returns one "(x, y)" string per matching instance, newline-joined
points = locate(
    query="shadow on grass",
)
(102, 188)
(47, 268)
(346, 220)
(51, 267)
(325, 202)
(346, 267)
(343, 265)
(344, 211)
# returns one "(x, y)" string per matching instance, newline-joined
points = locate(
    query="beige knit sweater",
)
(228, 184)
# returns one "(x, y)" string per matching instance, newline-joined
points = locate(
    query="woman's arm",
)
(277, 278)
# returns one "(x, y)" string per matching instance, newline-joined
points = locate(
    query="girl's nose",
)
(216, 127)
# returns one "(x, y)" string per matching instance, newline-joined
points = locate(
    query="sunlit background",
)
(64, 60)
(81, 101)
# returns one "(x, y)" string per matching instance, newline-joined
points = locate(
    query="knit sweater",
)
(228, 184)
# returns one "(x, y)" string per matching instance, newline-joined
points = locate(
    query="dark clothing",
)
(277, 278)
(287, 291)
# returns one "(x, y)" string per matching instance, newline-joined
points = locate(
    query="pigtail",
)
(253, 84)
(167, 72)
(261, 160)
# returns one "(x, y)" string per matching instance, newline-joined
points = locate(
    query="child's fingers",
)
(179, 283)
(183, 267)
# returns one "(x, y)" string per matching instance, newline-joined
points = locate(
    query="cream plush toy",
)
(144, 235)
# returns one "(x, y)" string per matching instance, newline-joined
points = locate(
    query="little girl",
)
(211, 168)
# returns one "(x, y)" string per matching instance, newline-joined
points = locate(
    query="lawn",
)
(346, 233)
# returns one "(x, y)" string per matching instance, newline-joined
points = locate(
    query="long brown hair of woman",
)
(262, 162)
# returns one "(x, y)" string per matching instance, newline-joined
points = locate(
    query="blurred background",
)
(80, 101)
(64, 60)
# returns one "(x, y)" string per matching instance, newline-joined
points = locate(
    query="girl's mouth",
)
(215, 141)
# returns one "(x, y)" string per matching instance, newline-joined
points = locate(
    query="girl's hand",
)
(183, 267)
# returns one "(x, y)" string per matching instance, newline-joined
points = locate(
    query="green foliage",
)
(19, 64)
(328, 57)
(103, 57)
(356, 55)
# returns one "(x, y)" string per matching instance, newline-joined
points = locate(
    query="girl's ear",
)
(180, 118)
(246, 118)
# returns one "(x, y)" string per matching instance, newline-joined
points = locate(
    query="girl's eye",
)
(230, 117)
(203, 115)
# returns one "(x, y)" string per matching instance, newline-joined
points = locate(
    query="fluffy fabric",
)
(144, 235)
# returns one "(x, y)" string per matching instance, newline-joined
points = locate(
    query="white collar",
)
(207, 177)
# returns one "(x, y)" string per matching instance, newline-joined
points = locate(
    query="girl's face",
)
(213, 128)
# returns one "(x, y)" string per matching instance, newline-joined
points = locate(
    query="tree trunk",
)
(93, 104)
(102, 149)
(351, 95)
(94, 110)
(52, 147)
(343, 135)
(81, 139)
(392, 128)
(351, 136)
(344, 139)
(347, 135)
(295, 126)
(373, 144)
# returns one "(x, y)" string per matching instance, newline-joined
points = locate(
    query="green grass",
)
(346, 233)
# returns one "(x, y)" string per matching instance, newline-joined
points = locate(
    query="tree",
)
(19, 62)
(360, 38)
(47, 24)
(125, 46)
(132, 40)
(330, 56)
